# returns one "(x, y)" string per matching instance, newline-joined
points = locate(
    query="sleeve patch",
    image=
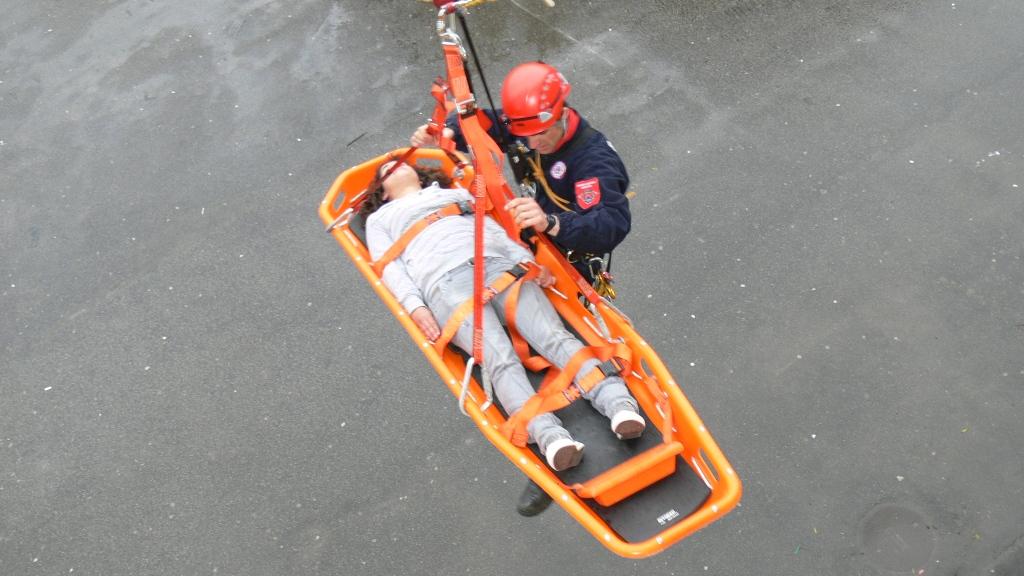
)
(588, 193)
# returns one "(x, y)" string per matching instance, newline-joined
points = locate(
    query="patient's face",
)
(402, 177)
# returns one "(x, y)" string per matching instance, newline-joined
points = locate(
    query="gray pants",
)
(541, 327)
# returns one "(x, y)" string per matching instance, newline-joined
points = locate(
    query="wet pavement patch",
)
(897, 539)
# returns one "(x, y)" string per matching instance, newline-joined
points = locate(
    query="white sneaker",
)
(564, 453)
(627, 424)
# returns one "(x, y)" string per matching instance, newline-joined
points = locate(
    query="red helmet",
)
(533, 97)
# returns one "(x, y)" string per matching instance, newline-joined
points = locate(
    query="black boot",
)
(533, 500)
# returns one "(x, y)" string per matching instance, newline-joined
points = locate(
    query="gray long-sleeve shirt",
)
(437, 249)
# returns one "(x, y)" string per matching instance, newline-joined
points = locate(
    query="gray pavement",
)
(827, 252)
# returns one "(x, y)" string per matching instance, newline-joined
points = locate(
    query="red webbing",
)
(487, 182)
(479, 264)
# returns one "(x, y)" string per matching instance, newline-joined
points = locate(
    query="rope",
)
(476, 60)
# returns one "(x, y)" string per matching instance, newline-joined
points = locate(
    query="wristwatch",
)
(552, 220)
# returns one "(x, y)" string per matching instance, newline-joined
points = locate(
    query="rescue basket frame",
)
(685, 437)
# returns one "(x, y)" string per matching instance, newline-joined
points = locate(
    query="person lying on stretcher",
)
(433, 276)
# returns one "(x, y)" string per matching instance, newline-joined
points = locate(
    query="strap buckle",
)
(466, 107)
(518, 271)
(466, 206)
(572, 392)
(610, 367)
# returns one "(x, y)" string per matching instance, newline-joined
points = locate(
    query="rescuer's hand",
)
(526, 213)
(422, 138)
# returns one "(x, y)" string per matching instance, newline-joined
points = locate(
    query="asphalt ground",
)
(826, 251)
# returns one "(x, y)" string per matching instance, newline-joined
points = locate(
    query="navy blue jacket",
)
(600, 217)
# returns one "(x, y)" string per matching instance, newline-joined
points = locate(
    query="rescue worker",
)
(578, 178)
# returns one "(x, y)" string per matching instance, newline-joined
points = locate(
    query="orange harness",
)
(558, 389)
(396, 249)
(511, 279)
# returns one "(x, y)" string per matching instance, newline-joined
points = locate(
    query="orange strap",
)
(435, 126)
(519, 344)
(663, 405)
(396, 249)
(479, 290)
(487, 156)
(438, 121)
(513, 277)
(560, 391)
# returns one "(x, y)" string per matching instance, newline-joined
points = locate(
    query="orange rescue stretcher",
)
(637, 497)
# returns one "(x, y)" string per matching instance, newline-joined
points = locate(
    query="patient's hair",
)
(375, 191)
